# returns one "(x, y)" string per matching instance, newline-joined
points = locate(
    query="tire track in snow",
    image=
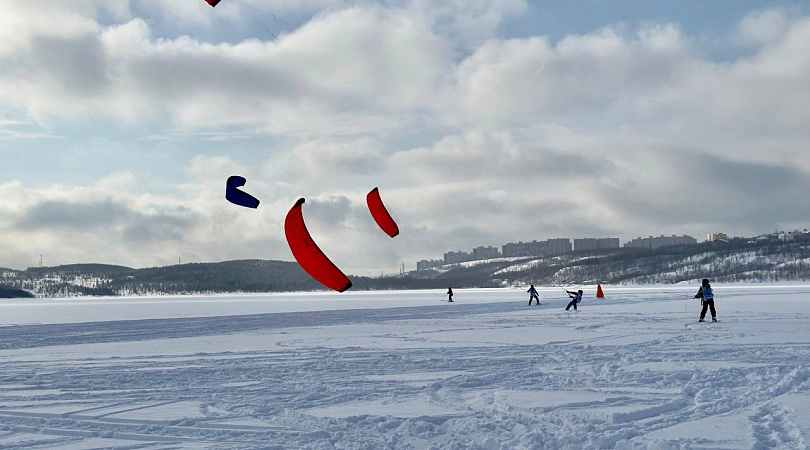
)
(28, 336)
(500, 391)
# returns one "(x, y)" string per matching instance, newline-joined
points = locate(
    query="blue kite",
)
(237, 197)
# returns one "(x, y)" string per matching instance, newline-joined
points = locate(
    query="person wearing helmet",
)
(533, 295)
(706, 296)
(576, 297)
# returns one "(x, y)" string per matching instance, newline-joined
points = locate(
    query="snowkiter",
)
(576, 297)
(450, 294)
(533, 295)
(706, 296)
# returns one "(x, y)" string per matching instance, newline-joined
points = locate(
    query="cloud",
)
(332, 211)
(79, 216)
(763, 27)
(466, 23)
(518, 81)
(322, 76)
(678, 189)
(473, 138)
(336, 160)
(492, 157)
(110, 222)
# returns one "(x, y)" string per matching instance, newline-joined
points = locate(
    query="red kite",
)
(307, 253)
(380, 214)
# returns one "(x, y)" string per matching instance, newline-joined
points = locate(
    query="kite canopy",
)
(237, 197)
(212, 2)
(380, 214)
(307, 253)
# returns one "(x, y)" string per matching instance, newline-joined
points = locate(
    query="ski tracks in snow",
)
(490, 376)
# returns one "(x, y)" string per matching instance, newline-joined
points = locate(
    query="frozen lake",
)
(404, 369)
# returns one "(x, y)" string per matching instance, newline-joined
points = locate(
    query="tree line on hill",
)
(10, 292)
(730, 261)
(192, 278)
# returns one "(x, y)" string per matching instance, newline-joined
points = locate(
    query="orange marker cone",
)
(599, 293)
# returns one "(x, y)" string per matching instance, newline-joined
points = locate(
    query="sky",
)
(482, 122)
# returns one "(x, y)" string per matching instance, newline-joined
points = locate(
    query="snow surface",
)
(404, 369)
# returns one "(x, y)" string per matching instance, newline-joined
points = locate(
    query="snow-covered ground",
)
(403, 369)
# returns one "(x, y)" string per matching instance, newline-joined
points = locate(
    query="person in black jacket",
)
(533, 295)
(706, 296)
(450, 295)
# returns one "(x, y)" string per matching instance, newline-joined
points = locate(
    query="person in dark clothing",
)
(576, 297)
(450, 294)
(706, 296)
(533, 295)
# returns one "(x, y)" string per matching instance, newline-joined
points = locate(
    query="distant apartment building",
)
(607, 243)
(533, 248)
(537, 248)
(521, 249)
(457, 257)
(485, 253)
(585, 244)
(660, 241)
(595, 244)
(428, 263)
(559, 246)
(712, 237)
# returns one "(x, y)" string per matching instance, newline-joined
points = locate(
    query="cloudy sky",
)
(481, 121)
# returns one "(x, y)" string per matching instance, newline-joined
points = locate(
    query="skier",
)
(533, 295)
(450, 294)
(706, 296)
(576, 297)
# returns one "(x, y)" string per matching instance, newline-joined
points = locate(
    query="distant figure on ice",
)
(576, 297)
(450, 294)
(533, 295)
(706, 296)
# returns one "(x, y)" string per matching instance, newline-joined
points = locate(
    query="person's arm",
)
(699, 293)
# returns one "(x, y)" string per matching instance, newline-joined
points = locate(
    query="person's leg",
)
(572, 302)
(711, 308)
(703, 310)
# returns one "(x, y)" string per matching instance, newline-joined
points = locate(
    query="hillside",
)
(735, 261)
(10, 292)
(229, 276)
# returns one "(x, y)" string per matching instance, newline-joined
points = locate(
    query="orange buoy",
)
(599, 293)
